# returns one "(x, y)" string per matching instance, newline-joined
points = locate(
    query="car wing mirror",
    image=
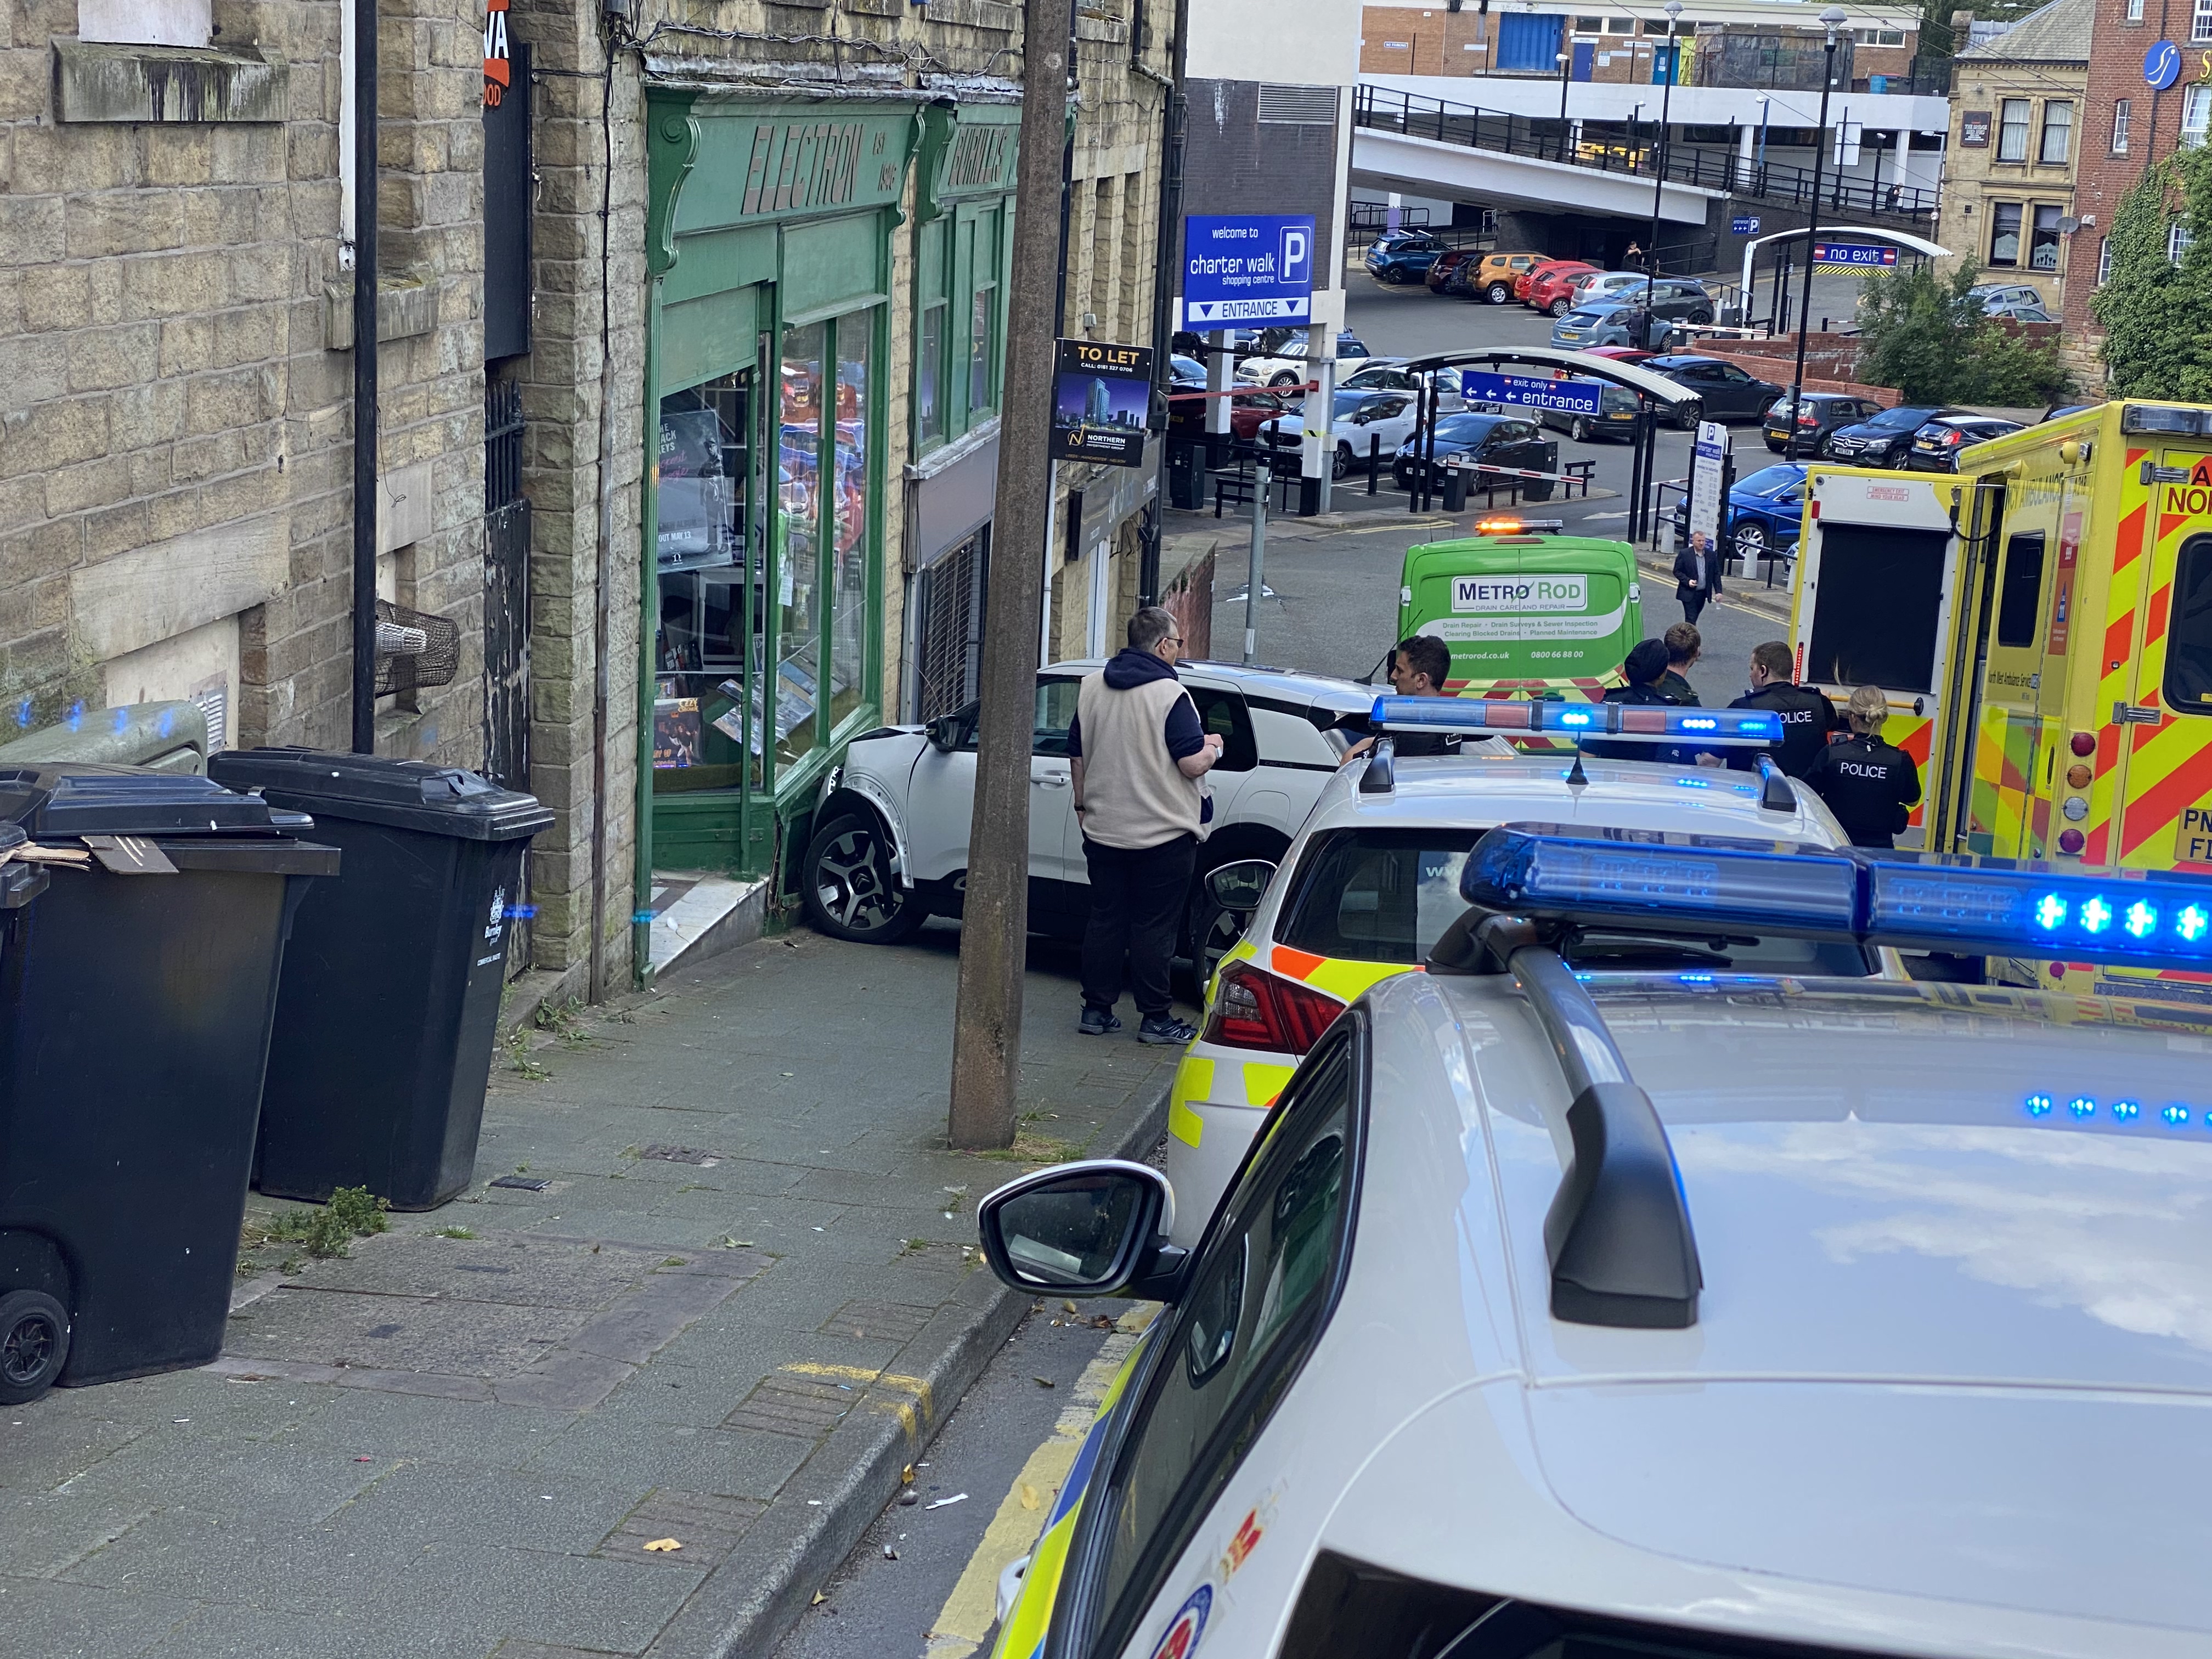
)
(1096, 1228)
(1238, 888)
(944, 733)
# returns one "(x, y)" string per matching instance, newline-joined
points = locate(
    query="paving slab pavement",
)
(742, 1301)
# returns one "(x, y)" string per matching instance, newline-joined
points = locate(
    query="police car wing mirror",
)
(1096, 1228)
(1238, 888)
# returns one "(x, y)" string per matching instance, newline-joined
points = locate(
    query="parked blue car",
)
(1402, 256)
(1766, 510)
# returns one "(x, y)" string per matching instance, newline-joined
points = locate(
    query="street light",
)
(1673, 9)
(1566, 62)
(1834, 17)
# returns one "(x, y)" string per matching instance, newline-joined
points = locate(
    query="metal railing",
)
(1546, 138)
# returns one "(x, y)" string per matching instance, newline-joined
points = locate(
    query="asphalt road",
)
(1331, 600)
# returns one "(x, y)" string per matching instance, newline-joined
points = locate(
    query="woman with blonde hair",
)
(1869, 785)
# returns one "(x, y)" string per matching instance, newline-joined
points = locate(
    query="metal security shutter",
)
(949, 632)
(1525, 42)
(1297, 106)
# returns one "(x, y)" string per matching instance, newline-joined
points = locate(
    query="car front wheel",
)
(1497, 294)
(851, 892)
(1340, 466)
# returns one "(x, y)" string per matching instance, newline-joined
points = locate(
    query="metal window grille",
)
(1296, 107)
(502, 443)
(949, 630)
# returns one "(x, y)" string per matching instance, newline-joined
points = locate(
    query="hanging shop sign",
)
(498, 62)
(1100, 396)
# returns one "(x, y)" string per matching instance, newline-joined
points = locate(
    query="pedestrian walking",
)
(1697, 574)
(1684, 645)
(1808, 718)
(1139, 755)
(1870, 785)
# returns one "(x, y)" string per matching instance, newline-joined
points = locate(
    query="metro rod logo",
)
(1519, 594)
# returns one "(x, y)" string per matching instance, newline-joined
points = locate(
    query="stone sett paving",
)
(452, 1448)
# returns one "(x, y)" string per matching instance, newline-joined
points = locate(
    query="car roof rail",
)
(1618, 1233)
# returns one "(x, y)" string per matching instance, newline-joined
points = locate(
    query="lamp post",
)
(1566, 62)
(1833, 18)
(1673, 9)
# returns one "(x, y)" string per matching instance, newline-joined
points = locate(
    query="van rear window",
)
(2188, 630)
(2020, 593)
(1880, 593)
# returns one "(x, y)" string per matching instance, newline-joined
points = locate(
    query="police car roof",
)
(1276, 684)
(1479, 791)
(1947, 1392)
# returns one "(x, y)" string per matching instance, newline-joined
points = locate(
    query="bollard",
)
(1374, 458)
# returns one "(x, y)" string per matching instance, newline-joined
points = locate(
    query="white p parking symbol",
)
(1296, 264)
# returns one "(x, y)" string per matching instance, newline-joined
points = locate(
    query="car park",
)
(1484, 439)
(1935, 446)
(1820, 416)
(1728, 391)
(1491, 280)
(1887, 439)
(1440, 268)
(1398, 257)
(1372, 879)
(1391, 374)
(889, 845)
(1248, 412)
(1278, 357)
(1599, 325)
(1551, 286)
(1364, 420)
(1766, 512)
(1614, 285)
(1546, 271)
(1578, 1313)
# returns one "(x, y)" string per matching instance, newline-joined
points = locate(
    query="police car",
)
(1372, 880)
(1672, 1314)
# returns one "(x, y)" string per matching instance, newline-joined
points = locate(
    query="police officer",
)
(1642, 671)
(1808, 717)
(1869, 784)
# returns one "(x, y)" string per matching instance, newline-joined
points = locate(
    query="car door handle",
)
(1050, 779)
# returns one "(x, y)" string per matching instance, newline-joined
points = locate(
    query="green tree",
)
(1927, 336)
(2157, 311)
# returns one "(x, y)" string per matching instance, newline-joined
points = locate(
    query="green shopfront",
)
(769, 245)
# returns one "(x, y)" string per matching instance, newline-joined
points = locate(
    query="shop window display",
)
(706, 555)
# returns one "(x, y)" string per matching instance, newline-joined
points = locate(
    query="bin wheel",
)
(850, 891)
(35, 1338)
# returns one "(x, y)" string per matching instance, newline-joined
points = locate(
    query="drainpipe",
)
(364, 377)
(1165, 268)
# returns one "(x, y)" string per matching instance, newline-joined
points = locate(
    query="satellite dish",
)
(2068, 225)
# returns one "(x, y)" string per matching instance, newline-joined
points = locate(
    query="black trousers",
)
(1693, 606)
(1137, 899)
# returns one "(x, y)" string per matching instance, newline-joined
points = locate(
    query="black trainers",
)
(1099, 1022)
(1160, 1028)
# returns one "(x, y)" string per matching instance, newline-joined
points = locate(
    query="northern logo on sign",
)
(1520, 593)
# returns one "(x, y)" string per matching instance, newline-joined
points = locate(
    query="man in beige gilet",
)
(1139, 750)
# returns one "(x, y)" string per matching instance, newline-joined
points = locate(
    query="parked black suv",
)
(1885, 441)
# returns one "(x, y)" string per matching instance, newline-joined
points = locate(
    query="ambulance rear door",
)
(1875, 586)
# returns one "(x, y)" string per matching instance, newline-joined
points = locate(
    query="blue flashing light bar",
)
(1976, 906)
(1663, 879)
(1634, 722)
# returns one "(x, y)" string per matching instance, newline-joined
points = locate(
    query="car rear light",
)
(1808, 420)
(1253, 1009)
(1954, 436)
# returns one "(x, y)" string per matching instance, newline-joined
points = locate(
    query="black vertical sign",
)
(506, 205)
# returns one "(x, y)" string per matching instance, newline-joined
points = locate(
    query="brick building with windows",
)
(2015, 142)
(2142, 102)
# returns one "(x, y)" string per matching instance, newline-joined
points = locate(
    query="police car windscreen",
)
(1879, 594)
(1386, 895)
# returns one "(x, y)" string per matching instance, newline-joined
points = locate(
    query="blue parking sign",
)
(1743, 225)
(1247, 267)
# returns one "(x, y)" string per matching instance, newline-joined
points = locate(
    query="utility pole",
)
(1673, 9)
(1834, 17)
(987, 1020)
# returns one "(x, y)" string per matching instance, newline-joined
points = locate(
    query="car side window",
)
(1730, 372)
(1055, 713)
(1223, 714)
(1261, 1291)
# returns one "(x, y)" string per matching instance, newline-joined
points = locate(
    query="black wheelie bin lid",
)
(19, 882)
(211, 826)
(436, 801)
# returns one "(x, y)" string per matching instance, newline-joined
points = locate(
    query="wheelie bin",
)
(390, 1004)
(136, 993)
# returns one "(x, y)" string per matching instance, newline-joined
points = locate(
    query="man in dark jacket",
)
(1645, 668)
(1869, 785)
(1697, 575)
(1808, 718)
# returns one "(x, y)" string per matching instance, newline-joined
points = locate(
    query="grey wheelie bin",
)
(390, 1004)
(136, 993)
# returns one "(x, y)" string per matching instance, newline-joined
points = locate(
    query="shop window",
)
(2123, 111)
(2057, 131)
(929, 374)
(980, 348)
(848, 621)
(2196, 115)
(2188, 640)
(2012, 129)
(798, 603)
(2004, 233)
(706, 561)
(2042, 240)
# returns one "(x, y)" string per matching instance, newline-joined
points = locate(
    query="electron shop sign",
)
(1240, 268)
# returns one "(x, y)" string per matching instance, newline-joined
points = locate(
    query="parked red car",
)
(1248, 410)
(1443, 264)
(1552, 285)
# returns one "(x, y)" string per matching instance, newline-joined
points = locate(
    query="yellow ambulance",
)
(2042, 623)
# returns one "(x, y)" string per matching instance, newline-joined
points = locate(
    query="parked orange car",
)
(1492, 280)
(1526, 291)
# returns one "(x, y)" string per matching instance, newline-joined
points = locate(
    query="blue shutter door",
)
(1528, 42)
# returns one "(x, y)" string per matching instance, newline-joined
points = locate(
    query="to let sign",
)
(1520, 392)
(1240, 268)
(1100, 396)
